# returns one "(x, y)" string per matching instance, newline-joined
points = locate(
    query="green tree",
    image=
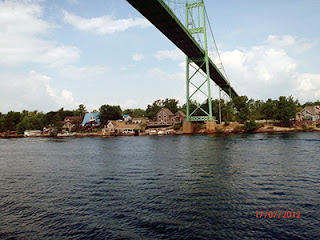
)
(48, 118)
(255, 109)
(193, 105)
(64, 113)
(31, 122)
(138, 112)
(311, 104)
(251, 126)
(81, 111)
(2, 122)
(54, 118)
(228, 111)
(269, 109)
(108, 112)
(286, 108)
(241, 104)
(171, 104)
(11, 120)
(152, 110)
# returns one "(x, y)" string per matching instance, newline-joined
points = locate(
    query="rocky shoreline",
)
(221, 129)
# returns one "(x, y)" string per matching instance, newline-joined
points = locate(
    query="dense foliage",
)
(171, 104)
(135, 112)
(108, 112)
(240, 109)
(250, 126)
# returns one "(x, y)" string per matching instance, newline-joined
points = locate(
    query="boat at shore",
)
(67, 134)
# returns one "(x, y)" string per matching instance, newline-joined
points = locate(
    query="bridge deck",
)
(160, 15)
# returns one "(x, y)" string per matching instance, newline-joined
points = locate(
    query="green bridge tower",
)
(161, 14)
(196, 24)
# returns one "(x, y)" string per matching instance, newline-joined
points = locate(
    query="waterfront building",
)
(309, 113)
(165, 118)
(127, 118)
(121, 127)
(70, 123)
(140, 120)
(91, 119)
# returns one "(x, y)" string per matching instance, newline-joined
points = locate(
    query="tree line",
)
(240, 109)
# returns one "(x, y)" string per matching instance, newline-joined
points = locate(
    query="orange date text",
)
(277, 214)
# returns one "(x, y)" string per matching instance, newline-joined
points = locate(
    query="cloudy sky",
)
(63, 53)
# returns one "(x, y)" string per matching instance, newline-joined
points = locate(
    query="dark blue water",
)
(175, 187)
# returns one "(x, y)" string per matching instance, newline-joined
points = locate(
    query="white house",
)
(120, 127)
(309, 113)
(127, 118)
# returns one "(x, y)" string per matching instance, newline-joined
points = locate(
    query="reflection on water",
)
(170, 187)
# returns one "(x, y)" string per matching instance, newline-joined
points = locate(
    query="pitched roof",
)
(182, 114)
(139, 118)
(87, 117)
(127, 126)
(312, 109)
(124, 125)
(166, 110)
(72, 118)
(125, 116)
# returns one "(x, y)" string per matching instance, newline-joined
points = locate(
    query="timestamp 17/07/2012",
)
(277, 214)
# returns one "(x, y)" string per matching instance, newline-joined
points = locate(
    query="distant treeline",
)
(239, 109)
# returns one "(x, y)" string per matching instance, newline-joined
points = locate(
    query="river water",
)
(168, 187)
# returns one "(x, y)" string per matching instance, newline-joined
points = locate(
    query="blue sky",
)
(63, 53)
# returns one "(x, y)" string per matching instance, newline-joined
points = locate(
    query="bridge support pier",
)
(188, 128)
(211, 126)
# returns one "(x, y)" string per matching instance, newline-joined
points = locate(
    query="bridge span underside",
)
(160, 15)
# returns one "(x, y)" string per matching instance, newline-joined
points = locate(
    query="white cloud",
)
(267, 70)
(21, 18)
(174, 55)
(62, 98)
(21, 31)
(67, 97)
(289, 42)
(137, 57)
(105, 24)
(308, 87)
(32, 91)
(158, 74)
(83, 73)
(60, 55)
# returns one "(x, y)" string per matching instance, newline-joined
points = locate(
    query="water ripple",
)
(179, 187)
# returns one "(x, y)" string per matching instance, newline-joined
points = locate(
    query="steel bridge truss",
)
(196, 24)
(161, 16)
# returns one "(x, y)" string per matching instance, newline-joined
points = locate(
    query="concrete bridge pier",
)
(211, 126)
(188, 128)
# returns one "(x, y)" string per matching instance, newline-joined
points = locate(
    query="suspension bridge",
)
(191, 38)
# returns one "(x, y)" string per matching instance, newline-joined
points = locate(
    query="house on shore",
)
(32, 133)
(165, 118)
(127, 118)
(121, 127)
(309, 113)
(70, 123)
(180, 116)
(140, 120)
(91, 119)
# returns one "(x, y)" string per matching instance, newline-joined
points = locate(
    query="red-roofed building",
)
(70, 123)
(165, 117)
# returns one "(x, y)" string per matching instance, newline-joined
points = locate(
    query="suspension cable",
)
(215, 44)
